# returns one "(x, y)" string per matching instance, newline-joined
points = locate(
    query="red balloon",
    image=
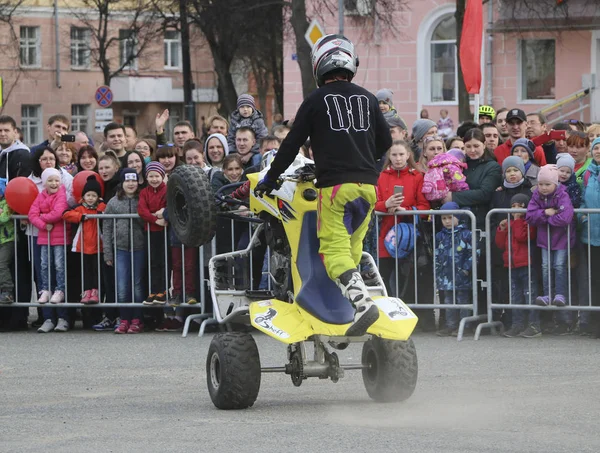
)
(20, 194)
(79, 181)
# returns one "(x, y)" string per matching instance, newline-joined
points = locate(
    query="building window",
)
(444, 80)
(79, 117)
(29, 46)
(537, 69)
(31, 123)
(172, 50)
(127, 49)
(175, 115)
(80, 48)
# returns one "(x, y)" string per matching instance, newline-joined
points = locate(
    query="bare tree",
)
(9, 50)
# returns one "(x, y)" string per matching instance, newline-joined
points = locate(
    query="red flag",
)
(470, 45)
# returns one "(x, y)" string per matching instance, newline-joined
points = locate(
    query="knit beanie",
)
(246, 99)
(455, 152)
(450, 206)
(128, 174)
(92, 185)
(395, 121)
(565, 160)
(157, 167)
(420, 128)
(548, 174)
(385, 95)
(520, 198)
(524, 143)
(594, 143)
(49, 172)
(513, 161)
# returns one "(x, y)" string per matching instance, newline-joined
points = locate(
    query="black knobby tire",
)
(233, 370)
(191, 204)
(392, 369)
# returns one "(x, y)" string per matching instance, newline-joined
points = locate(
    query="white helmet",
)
(332, 52)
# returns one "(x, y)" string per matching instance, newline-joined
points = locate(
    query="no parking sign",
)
(104, 96)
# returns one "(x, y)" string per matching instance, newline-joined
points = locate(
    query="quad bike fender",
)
(289, 323)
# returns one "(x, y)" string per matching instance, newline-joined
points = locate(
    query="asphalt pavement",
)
(100, 392)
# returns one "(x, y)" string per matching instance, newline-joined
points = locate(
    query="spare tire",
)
(191, 205)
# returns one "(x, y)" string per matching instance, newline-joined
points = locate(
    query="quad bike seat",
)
(319, 295)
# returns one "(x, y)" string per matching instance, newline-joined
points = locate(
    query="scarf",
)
(513, 185)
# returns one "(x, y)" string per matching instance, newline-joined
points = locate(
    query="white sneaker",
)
(62, 326)
(48, 326)
(44, 297)
(58, 297)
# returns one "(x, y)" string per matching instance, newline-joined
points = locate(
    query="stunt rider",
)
(348, 133)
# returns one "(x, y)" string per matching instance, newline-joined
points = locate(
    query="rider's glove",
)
(265, 186)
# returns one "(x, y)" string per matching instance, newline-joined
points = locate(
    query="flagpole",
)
(476, 114)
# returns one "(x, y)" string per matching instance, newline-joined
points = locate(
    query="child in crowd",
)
(247, 115)
(551, 211)
(445, 124)
(516, 257)
(453, 265)
(445, 174)
(566, 176)
(46, 215)
(386, 105)
(524, 149)
(122, 234)
(153, 200)
(86, 239)
(7, 248)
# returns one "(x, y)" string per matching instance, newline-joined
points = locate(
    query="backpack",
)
(400, 240)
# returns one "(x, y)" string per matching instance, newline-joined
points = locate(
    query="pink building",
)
(530, 62)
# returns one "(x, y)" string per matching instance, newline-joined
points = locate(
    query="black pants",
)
(90, 272)
(157, 262)
(595, 284)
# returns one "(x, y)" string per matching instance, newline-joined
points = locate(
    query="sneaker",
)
(6, 298)
(62, 326)
(514, 331)
(173, 325)
(445, 332)
(162, 326)
(531, 332)
(117, 323)
(44, 297)
(58, 297)
(190, 300)
(94, 299)
(175, 300)
(150, 299)
(85, 298)
(105, 324)
(561, 330)
(542, 301)
(123, 327)
(160, 299)
(136, 326)
(48, 326)
(559, 300)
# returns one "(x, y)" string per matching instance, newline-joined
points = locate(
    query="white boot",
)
(354, 289)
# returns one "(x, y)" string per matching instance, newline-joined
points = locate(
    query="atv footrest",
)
(260, 294)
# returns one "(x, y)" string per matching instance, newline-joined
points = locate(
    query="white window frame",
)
(78, 44)
(123, 47)
(167, 43)
(30, 44)
(80, 117)
(27, 122)
(520, 94)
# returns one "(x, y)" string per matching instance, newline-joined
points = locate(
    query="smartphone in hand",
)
(399, 190)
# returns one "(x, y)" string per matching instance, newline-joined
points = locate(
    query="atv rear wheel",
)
(191, 204)
(391, 369)
(233, 370)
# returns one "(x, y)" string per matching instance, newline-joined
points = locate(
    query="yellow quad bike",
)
(304, 306)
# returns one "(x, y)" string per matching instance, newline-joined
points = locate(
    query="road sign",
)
(104, 114)
(314, 32)
(104, 96)
(100, 125)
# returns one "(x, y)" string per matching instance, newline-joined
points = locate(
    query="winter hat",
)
(594, 143)
(549, 174)
(420, 128)
(385, 95)
(524, 143)
(92, 185)
(128, 174)
(513, 161)
(157, 167)
(246, 99)
(49, 172)
(450, 206)
(395, 121)
(565, 160)
(520, 198)
(458, 154)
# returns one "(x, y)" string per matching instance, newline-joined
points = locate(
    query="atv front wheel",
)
(233, 370)
(391, 369)
(191, 204)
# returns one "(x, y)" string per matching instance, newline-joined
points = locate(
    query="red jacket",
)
(519, 251)
(88, 228)
(152, 200)
(503, 151)
(412, 181)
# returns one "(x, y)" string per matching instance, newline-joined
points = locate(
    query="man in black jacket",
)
(348, 134)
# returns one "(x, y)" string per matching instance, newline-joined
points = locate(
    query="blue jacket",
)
(574, 191)
(461, 259)
(591, 200)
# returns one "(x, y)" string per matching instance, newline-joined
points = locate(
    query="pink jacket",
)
(48, 209)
